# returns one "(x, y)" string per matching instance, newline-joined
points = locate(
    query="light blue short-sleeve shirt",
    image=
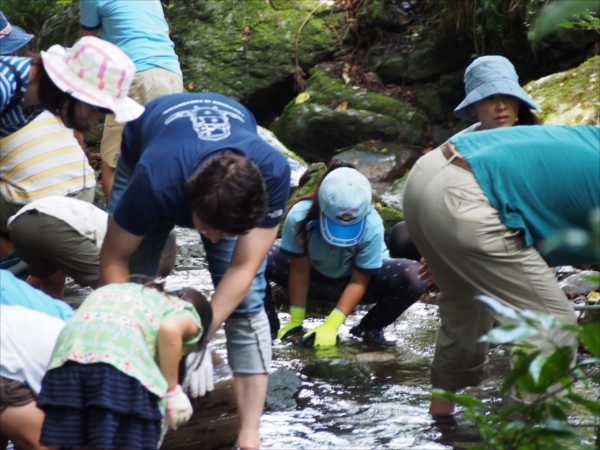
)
(16, 292)
(332, 261)
(138, 28)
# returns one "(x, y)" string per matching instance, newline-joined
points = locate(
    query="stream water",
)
(385, 410)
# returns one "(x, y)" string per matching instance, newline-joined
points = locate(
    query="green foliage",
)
(31, 15)
(490, 24)
(543, 378)
(573, 13)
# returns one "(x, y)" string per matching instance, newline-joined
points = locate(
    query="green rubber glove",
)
(297, 313)
(325, 335)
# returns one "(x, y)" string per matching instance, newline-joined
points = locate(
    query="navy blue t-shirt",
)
(170, 141)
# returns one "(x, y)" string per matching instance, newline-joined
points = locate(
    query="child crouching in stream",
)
(117, 366)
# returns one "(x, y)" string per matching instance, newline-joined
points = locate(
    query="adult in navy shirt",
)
(195, 160)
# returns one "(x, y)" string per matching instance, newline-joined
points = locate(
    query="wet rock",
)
(297, 165)
(215, 422)
(380, 161)
(395, 196)
(284, 384)
(569, 98)
(337, 370)
(330, 116)
(578, 283)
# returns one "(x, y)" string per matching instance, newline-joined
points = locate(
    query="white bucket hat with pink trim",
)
(95, 72)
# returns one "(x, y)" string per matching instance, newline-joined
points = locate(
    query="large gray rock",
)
(571, 97)
(330, 116)
(240, 48)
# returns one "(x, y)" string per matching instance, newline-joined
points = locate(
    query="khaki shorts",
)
(146, 86)
(14, 393)
(48, 244)
(9, 209)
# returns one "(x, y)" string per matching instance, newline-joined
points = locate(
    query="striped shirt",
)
(16, 118)
(42, 159)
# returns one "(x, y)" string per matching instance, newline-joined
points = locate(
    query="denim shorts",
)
(249, 343)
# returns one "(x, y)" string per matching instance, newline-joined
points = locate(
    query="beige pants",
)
(470, 252)
(146, 86)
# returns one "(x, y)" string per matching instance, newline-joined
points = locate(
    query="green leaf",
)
(556, 13)
(519, 369)
(499, 308)
(592, 406)
(507, 334)
(554, 426)
(556, 366)
(590, 336)
(463, 400)
(536, 366)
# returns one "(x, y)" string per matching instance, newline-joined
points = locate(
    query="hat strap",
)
(6, 31)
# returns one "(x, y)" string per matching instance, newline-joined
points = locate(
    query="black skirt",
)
(98, 406)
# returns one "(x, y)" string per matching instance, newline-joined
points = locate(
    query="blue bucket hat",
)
(344, 200)
(491, 75)
(11, 38)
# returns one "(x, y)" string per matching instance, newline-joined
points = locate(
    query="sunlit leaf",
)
(590, 336)
(498, 307)
(346, 78)
(507, 334)
(342, 106)
(558, 12)
(535, 368)
(302, 97)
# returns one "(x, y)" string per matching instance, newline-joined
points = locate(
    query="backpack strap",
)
(18, 96)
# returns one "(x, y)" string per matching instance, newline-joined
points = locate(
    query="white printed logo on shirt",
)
(210, 122)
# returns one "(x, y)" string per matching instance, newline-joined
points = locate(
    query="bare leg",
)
(440, 407)
(251, 394)
(23, 426)
(6, 247)
(108, 176)
(54, 285)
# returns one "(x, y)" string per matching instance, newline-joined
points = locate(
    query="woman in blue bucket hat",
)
(332, 249)
(494, 100)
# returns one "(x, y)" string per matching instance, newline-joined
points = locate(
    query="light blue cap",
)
(344, 200)
(491, 75)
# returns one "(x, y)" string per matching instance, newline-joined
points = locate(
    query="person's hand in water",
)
(325, 335)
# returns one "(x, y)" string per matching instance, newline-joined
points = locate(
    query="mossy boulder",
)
(571, 97)
(238, 47)
(331, 115)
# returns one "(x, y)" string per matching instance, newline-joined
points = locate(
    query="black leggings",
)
(392, 291)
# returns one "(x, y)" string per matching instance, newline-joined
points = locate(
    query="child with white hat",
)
(79, 84)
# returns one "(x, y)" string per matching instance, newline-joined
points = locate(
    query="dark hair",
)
(167, 257)
(228, 193)
(57, 101)
(314, 210)
(204, 310)
(526, 116)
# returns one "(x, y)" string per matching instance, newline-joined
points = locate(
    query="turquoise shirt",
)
(541, 179)
(14, 291)
(330, 260)
(137, 27)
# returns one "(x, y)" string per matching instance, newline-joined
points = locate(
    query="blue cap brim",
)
(341, 235)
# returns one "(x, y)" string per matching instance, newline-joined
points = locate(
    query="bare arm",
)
(354, 292)
(119, 244)
(171, 334)
(299, 280)
(250, 251)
